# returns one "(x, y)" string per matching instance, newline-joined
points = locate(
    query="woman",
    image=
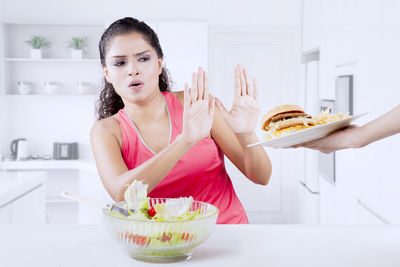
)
(357, 137)
(173, 141)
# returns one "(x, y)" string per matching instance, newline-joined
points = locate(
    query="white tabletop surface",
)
(229, 245)
(15, 184)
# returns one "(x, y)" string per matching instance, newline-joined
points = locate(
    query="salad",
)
(137, 206)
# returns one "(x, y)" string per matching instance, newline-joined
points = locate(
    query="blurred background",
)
(338, 53)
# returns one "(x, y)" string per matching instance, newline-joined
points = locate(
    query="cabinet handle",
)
(359, 201)
(312, 192)
(18, 197)
(48, 217)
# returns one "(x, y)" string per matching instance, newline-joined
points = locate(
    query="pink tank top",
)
(200, 173)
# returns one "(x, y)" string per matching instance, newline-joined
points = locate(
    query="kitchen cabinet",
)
(22, 197)
(6, 214)
(66, 175)
(29, 208)
(308, 205)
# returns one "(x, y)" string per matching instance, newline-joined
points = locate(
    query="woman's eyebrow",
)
(138, 54)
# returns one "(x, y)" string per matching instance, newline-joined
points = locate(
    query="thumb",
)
(221, 108)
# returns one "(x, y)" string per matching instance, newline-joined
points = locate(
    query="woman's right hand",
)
(198, 110)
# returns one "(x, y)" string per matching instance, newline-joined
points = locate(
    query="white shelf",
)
(66, 60)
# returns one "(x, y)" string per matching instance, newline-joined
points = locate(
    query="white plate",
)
(306, 135)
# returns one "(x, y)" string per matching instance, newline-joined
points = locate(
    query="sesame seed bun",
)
(281, 112)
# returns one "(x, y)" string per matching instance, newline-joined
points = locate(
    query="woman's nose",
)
(133, 70)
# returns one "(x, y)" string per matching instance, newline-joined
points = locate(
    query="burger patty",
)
(289, 115)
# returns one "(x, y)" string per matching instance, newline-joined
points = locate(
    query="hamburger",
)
(286, 119)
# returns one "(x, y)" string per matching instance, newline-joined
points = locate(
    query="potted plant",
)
(77, 44)
(37, 42)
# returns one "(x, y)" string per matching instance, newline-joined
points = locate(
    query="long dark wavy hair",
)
(110, 102)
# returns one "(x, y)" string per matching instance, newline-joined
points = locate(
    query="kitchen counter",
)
(15, 184)
(229, 245)
(80, 164)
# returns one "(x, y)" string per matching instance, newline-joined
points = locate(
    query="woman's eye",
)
(142, 59)
(119, 63)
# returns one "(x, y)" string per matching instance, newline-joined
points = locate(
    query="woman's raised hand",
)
(198, 110)
(242, 118)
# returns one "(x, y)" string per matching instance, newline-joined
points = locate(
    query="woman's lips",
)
(136, 85)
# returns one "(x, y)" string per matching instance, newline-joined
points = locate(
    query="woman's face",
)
(132, 67)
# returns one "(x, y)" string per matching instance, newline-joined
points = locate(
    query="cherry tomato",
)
(151, 212)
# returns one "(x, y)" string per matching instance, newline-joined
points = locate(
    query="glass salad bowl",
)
(162, 241)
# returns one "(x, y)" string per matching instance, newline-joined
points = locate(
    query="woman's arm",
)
(233, 130)
(113, 170)
(253, 162)
(356, 137)
(382, 127)
(197, 122)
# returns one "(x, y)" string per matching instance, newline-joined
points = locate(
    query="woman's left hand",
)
(242, 118)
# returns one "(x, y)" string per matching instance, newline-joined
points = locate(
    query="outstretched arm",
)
(233, 130)
(356, 137)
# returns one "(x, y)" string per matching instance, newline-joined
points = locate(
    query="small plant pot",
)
(36, 53)
(76, 54)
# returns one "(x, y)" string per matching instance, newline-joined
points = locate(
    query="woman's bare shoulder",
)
(107, 126)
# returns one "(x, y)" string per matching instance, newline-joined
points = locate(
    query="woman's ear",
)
(105, 71)
(160, 62)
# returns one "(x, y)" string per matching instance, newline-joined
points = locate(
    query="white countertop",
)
(15, 184)
(80, 164)
(229, 245)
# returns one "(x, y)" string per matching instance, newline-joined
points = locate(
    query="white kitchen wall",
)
(44, 120)
(223, 12)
